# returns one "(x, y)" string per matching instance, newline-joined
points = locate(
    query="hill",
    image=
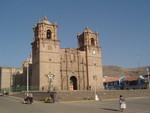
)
(115, 71)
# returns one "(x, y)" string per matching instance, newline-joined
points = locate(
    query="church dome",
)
(87, 30)
(45, 20)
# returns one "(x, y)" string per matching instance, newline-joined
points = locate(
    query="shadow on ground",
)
(109, 109)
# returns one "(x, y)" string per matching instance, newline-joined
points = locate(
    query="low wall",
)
(89, 95)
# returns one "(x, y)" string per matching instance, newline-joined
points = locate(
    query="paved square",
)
(12, 105)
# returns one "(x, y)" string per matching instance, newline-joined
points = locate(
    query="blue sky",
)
(123, 27)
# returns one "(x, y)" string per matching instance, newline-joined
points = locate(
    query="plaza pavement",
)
(9, 104)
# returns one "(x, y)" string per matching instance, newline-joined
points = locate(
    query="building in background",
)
(11, 78)
(112, 83)
(125, 82)
(135, 82)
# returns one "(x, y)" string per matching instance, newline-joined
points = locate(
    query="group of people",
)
(28, 99)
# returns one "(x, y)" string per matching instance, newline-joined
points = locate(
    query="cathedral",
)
(54, 68)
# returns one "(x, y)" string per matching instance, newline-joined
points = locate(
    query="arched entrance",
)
(73, 83)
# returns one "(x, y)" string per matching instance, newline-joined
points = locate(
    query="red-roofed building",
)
(114, 82)
(135, 82)
(128, 82)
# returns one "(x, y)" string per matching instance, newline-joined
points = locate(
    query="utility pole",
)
(27, 75)
(94, 77)
(148, 78)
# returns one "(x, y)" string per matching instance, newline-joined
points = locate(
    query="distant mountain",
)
(115, 71)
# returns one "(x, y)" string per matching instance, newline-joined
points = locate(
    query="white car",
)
(1, 94)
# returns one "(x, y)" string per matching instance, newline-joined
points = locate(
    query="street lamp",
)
(27, 75)
(94, 77)
(148, 78)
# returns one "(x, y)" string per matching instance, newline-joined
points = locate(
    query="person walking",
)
(122, 103)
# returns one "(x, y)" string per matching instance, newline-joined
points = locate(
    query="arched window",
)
(92, 42)
(49, 34)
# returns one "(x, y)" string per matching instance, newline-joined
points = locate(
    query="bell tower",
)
(45, 55)
(87, 39)
(88, 42)
(44, 29)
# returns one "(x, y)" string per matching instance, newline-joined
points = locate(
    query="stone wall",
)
(89, 95)
(10, 77)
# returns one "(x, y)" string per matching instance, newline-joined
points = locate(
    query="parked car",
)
(1, 94)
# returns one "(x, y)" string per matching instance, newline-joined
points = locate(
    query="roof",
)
(87, 30)
(45, 20)
(127, 78)
(10, 67)
(132, 78)
(112, 79)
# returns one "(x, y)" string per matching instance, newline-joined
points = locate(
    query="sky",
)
(123, 27)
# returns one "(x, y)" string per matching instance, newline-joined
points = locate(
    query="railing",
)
(19, 89)
(112, 87)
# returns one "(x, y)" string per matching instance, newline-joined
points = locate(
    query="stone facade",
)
(10, 78)
(54, 68)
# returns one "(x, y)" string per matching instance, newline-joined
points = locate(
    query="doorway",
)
(73, 83)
